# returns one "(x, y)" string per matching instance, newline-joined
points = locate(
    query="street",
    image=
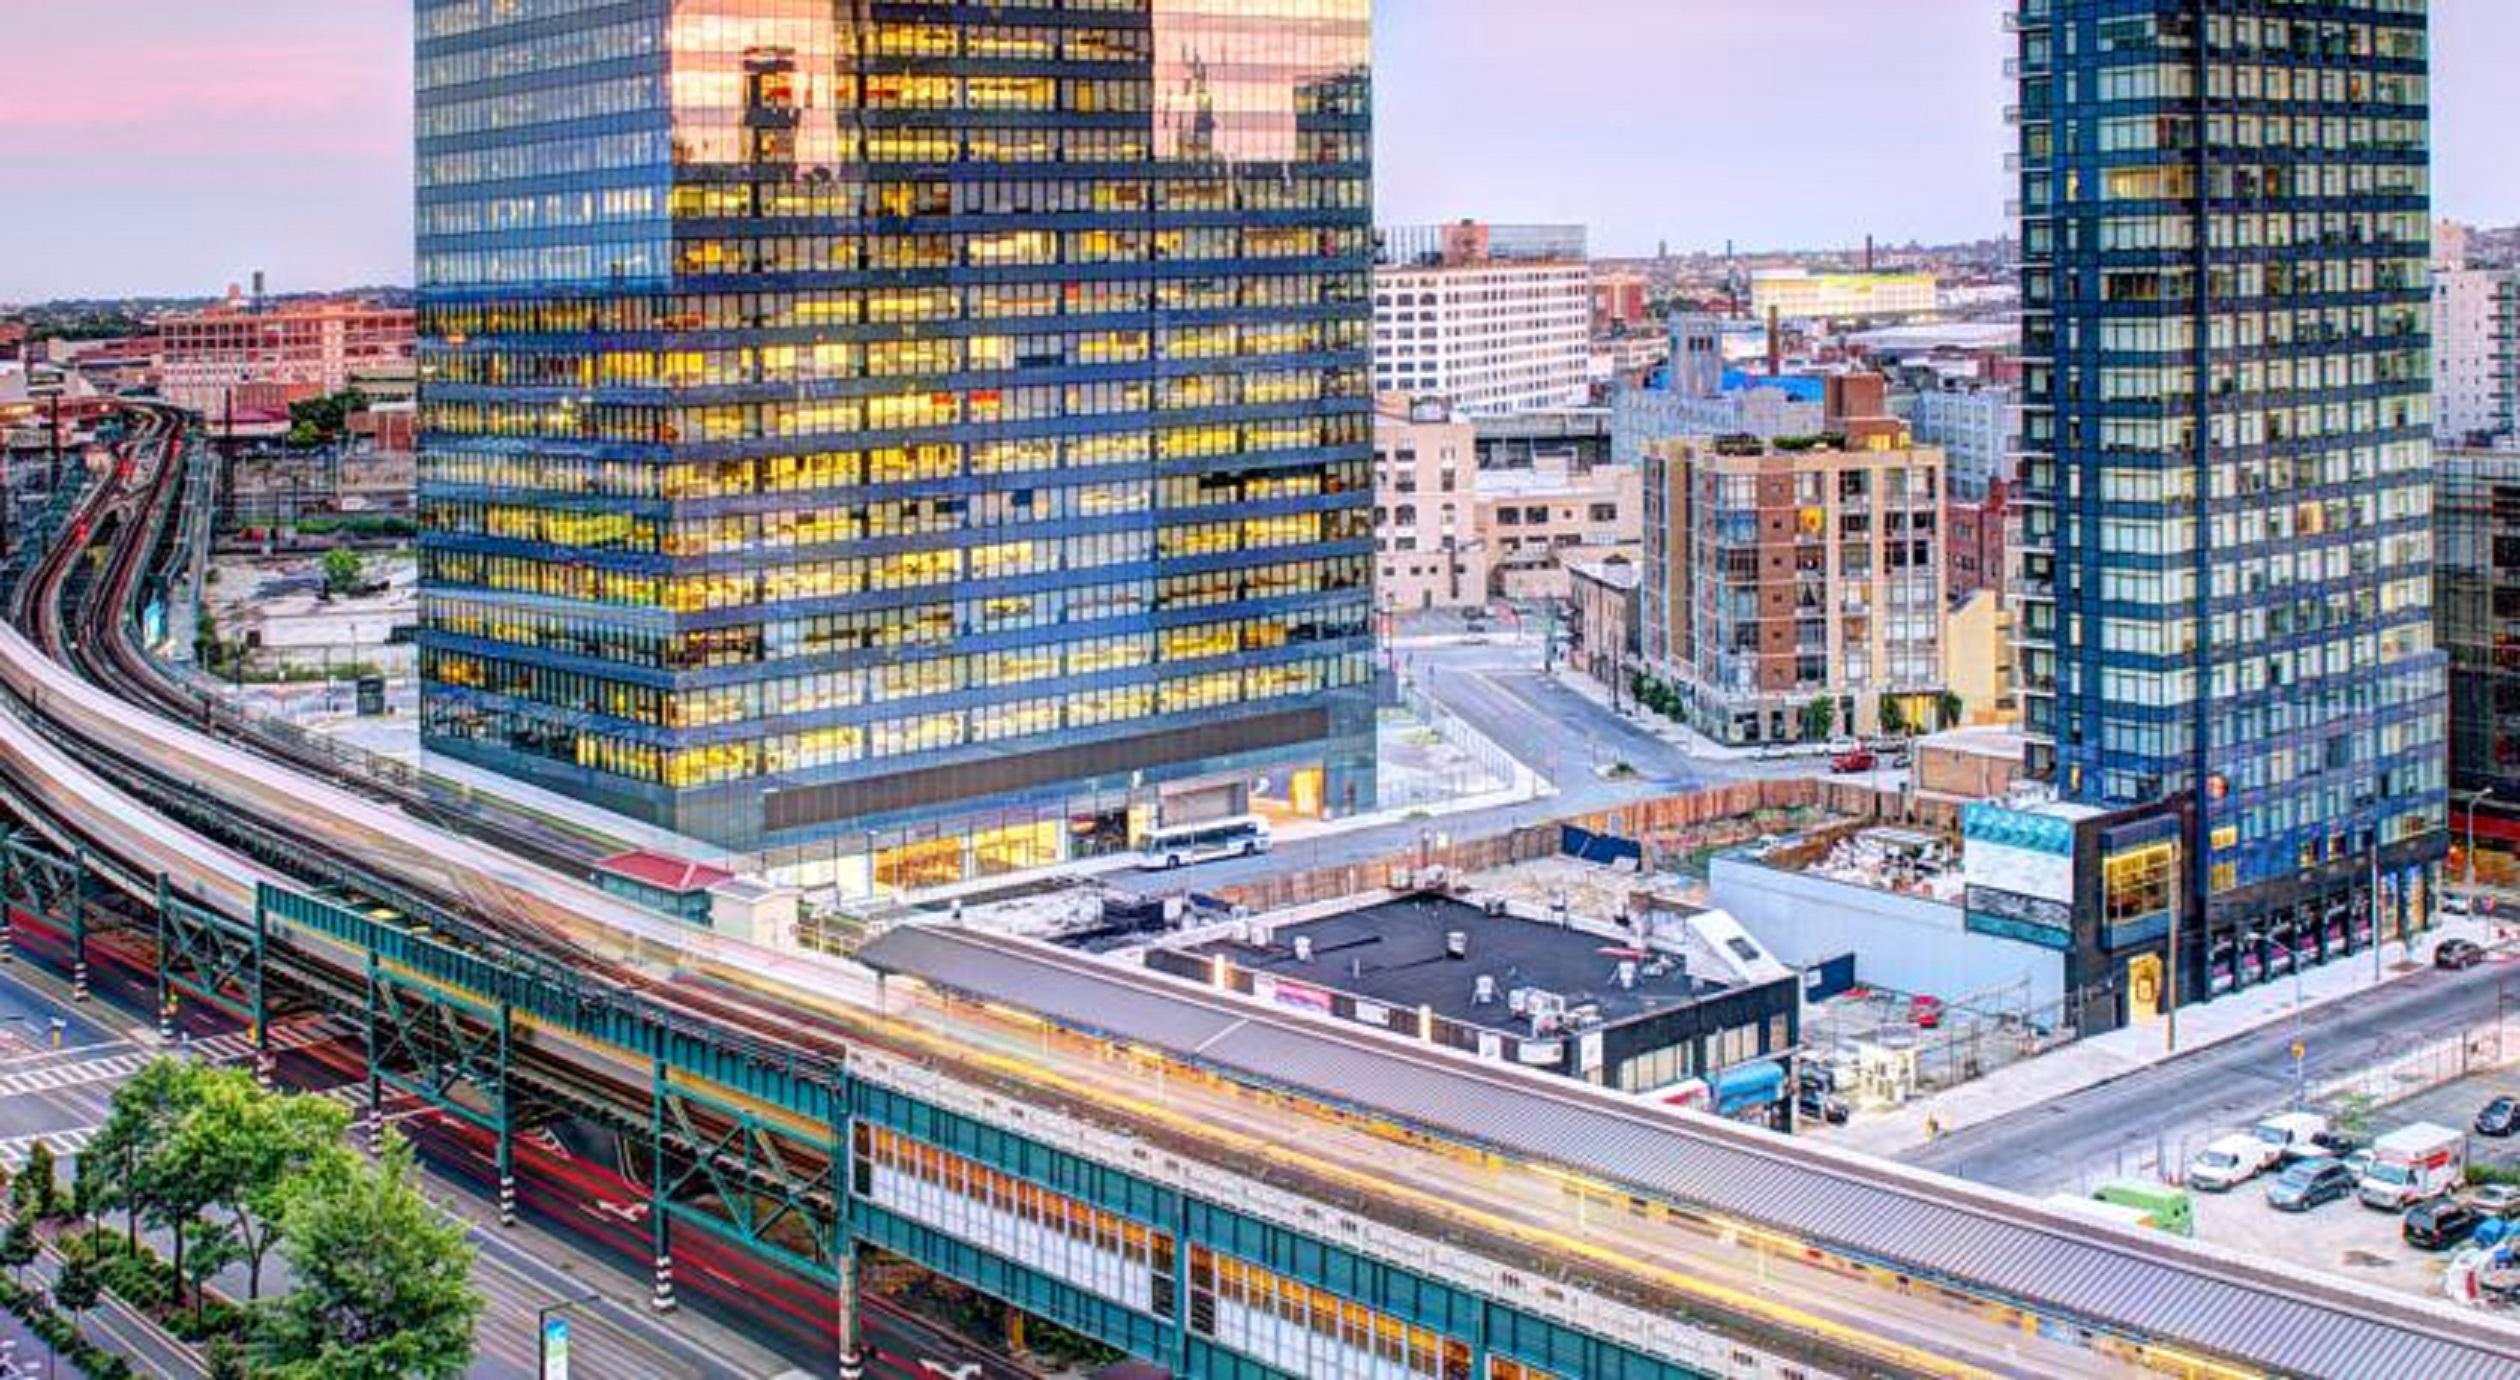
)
(2056, 1144)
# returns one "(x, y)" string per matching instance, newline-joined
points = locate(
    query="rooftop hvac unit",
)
(1456, 944)
(1483, 991)
(1303, 948)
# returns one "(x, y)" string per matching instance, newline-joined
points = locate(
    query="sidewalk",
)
(1671, 731)
(2103, 1058)
(1527, 785)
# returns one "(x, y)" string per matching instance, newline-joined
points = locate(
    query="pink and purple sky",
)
(173, 146)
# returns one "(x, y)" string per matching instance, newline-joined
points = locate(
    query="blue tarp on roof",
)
(1799, 387)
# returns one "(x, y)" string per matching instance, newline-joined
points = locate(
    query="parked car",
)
(2456, 903)
(2439, 1224)
(2228, 1163)
(1813, 1104)
(2500, 1117)
(1925, 1011)
(1855, 759)
(2493, 1200)
(2458, 953)
(2305, 1184)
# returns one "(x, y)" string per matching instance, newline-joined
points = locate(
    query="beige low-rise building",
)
(1978, 639)
(1426, 540)
(1451, 535)
(1536, 522)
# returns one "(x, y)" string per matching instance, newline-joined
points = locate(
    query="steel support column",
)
(852, 1349)
(79, 931)
(262, 999)
(452, 1053)
(165, 991)
(44, 886)
(213, 959)
(660, 1213)
(506, 1114)
(844, 1240)
(373, 1126)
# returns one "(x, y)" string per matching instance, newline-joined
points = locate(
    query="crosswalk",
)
(64, 1143)
(115, 1062)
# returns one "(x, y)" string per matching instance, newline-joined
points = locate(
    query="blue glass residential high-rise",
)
(908, 439)
(2228, 563)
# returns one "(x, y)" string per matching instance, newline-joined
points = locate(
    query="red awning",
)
(664, 872)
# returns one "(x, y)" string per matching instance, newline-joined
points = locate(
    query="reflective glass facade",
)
(2478, 521)
(2228, 565)
(841, 419)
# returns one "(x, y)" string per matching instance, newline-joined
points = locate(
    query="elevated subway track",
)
(1438, 1160)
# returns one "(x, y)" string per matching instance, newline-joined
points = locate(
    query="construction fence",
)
(1672, 832)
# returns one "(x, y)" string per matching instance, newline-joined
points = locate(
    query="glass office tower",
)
(911, 440)
(2224, 219)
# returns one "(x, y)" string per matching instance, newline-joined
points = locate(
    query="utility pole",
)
(2375, 916)
(2178, 886)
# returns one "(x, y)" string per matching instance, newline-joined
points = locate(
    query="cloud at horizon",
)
(174, 146)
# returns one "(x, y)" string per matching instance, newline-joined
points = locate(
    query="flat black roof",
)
(1393, 952)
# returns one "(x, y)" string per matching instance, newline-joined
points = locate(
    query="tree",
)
(224, 1360)
(1819, 719)
(1947, 710)
(1894, 719)
(314, 421)
(77, 1289)
(212, 1248)
(383, 1279)
(249, 1144)
(136, 1162)
(37, 1191)
(17, 1246)
(344, 572)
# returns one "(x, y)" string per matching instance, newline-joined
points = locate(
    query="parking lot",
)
(2343, 1236)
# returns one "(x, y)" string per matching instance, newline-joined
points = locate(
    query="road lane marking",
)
(69, 1140)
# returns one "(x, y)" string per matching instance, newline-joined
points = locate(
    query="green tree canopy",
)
(343, 571)
(37, 1191)
(144, 1116)
(78, 1289)
(249, 1144)
(315, 421)
(383, 1279)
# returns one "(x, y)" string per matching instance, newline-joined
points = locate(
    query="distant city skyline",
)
(277, 135)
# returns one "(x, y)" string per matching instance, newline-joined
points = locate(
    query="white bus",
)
(1180, 844)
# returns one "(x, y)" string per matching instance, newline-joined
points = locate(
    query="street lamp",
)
(552, 1363)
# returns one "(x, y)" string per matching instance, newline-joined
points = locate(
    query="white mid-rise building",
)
(2476, 353)
(1978, 427)
(1495, 320)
